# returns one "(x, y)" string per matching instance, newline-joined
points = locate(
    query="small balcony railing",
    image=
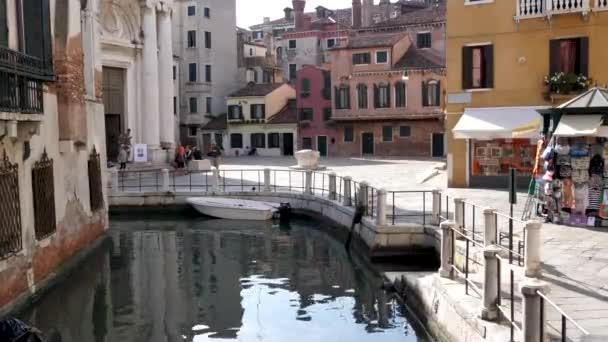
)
(547, 8)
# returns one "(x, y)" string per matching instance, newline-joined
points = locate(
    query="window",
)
(207, 40)
(208, 73)
(193, 105)
(219, 140)
(405, 131)
(342, 98)
(273, 140)
(191, 39)
(207, 12)
(208, 105)
(174, 105)
(306, 114)
(400, 95)
(423, 40)
(192, 72)
(258, 35)
(279, 53)
(431, 94)
(331, 42)
(191, 11)
(277, 33)
(349, 134)
(267, 76)
(361, 58)
(235, 112)
(382, 96)
(307, 143)
(381, 57)
(570, 56)
(327, 114)
(258, 111)
(292, 44)
(305, 91)
(250, 52)
(236, 140)
(387, 133)
(192, 131)
(37, 29)
(258, 140)
(292, 71)
(362, 96)
(174, 72)
(478, 67)
(326, 85)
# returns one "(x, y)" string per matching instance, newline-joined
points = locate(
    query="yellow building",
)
(499, 53)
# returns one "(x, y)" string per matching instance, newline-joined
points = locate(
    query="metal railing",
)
(508, 312)
(419, 205)
(564, 319)
(20, 64)
(20, 94)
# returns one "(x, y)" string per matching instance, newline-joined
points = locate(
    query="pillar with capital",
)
(165, 76)
(150, 90)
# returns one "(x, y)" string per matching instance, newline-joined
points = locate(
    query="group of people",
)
(185, 154)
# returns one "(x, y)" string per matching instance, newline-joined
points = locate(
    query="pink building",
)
(316, 129)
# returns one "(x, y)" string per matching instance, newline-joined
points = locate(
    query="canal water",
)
(199, 280)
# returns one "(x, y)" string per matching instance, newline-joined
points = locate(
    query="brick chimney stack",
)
(298, 8)
(356, 13)
(366, 13)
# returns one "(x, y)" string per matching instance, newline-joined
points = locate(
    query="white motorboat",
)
(233, 209)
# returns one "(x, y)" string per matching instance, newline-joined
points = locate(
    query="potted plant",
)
(565, 83)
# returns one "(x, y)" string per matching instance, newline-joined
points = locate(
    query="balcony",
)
(527, 9)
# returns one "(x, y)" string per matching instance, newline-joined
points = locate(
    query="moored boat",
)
(233, 209)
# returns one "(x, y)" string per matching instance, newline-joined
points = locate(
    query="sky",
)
(251, 12)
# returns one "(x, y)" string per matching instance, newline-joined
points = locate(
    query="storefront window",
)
(497, 157)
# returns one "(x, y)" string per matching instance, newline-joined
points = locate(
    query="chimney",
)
(266, 20)
(356, 13)
(367, 13)
(288, 13)
(298, 7)
(385, 8)
(307, 26)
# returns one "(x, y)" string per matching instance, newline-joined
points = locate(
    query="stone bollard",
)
(532, 249)
(447, 247)
(381, 213)
(308, 183)
(215, 181)
(347, 201)
(533, 310)
(489, 309)
(436, 216)
(489, 228)
(363, 195)
(114, 178)
(333, 195)
(267, 187)
(459, 215)
(164, 187)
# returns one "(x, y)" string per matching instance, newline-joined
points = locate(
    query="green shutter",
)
(425, 94)
(488, 55)
(376, 97)
(438, 94)
(3, 24)
(583, 56)
(336, 98)
(467, 68)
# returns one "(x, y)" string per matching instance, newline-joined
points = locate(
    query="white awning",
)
(580, 126)
(498, 123)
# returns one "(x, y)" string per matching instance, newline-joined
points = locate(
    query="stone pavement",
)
(575, 260)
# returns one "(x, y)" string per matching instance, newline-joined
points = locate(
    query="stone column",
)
(381, 214)
(459, 214)
(150, 127)
(165, 180)
(489, 309)
(532, 249)
(533, 310)
(215, 181)
(347, 201)
(165, 78)
(363, 195)
(489, 228)
(308, 182)
(267, 180)
(447, 246)
(114, 177)
(332, 186)
(436, 216)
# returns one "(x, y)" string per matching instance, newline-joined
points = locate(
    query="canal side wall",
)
(382, 240)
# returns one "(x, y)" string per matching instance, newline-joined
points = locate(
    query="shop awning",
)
(581, 126)
(498, 123)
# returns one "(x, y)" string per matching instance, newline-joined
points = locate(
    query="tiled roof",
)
(217, 123)
(342, 16)
(415, 58)
(373, 40)
(253, 89)
(287, 115)
(422, 16)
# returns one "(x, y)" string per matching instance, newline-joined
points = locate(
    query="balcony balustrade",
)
(546, 8)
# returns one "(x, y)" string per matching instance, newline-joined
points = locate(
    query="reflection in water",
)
(213, 280)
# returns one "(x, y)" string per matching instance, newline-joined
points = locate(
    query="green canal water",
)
(172, 280)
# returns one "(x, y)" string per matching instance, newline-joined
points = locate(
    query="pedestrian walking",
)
(180, 156)
(123, 158)
(215, 153)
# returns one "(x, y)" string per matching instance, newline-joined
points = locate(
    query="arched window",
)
(342, 97)
(431, 93)
(362, 96)
(382, 95)
(400, 95)
(279, 53)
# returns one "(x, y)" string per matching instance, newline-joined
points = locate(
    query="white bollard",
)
(164, 187)
(489, 228)
(308, 183)
(333, 195)
(363, 194)
(447, 227)
(114, 177)
(267, 187)
(533, 310)
(532, 249)
(489, 309)
(347, 201)
(436, 216)
(215, 181)
(459, 215)
(381, 213)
